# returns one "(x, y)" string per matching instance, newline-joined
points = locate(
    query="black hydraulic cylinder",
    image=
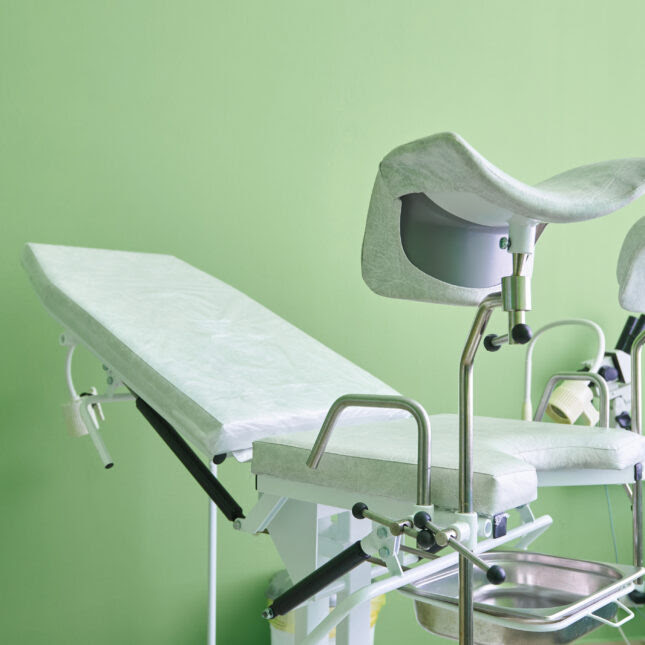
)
(309, 586)
(195, 466)
(623, 339)
(636, 330)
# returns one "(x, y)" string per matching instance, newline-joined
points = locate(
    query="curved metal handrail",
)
(381, 401)
(598, 381)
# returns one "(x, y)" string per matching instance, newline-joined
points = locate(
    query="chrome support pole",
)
(211, 635)
(637, 426)
(382, 401)
(466, 632)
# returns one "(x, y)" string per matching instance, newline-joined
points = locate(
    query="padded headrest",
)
(631, 269)
(439, 210)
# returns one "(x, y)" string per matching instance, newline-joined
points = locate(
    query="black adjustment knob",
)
(609, 373)
(421, 518)
(637, 597)
(496, 575)
(488, 343)
(425, 539)
(521, 334)
(624, 421)
(358, 509)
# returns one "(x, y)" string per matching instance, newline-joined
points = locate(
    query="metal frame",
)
(382, 401)
(484, 312)
(212, 566)
(356, 593)
(637, 426)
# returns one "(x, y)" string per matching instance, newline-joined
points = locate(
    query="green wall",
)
(244, 138)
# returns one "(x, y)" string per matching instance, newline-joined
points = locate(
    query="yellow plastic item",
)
(286, 623)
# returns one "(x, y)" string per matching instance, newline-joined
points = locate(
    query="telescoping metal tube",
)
(466, 631)
(637, 426)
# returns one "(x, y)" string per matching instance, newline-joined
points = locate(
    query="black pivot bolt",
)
(358, 509)
(608, 373)
(421, 518)
(425, 540)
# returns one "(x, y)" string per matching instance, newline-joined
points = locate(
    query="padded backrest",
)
(218, 366)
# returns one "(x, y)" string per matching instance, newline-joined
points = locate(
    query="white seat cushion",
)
(381, 458)
(552, 446)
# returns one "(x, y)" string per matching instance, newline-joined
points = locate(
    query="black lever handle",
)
(192, 462)
(310, 585)
(521, 333)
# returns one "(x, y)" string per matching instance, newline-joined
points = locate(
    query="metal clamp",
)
(84, 412)
(448, 537)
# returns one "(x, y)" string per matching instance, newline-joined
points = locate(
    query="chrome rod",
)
(382, 401)
(637, 426)
(516, 295)
(498, 341)
(598, 381)
(466, 632)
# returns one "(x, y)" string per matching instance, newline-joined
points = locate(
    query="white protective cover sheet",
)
(381, 458)
(218, 366)
(445, 164)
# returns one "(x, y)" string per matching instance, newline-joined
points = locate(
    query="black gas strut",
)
(309, 586)
(195, 466)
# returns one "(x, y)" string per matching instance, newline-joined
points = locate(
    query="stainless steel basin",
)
(546, 599)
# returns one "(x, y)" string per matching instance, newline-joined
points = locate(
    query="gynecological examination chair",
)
(362, 491)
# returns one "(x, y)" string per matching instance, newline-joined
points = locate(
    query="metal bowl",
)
(545, 599)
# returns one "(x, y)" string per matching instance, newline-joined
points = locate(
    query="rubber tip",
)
(110, 465)
(268, 613)
(358, 509)
(219, 459)
(425, 539)
(496, 575)
(637, 597)
(521, 334)
(421, 518)
(488, 343)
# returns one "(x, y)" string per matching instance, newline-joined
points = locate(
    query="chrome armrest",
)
(381, 401)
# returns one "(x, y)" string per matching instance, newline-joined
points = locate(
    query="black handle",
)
(495, 574)
(309, 586)
(521, 333)
(489, 346)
